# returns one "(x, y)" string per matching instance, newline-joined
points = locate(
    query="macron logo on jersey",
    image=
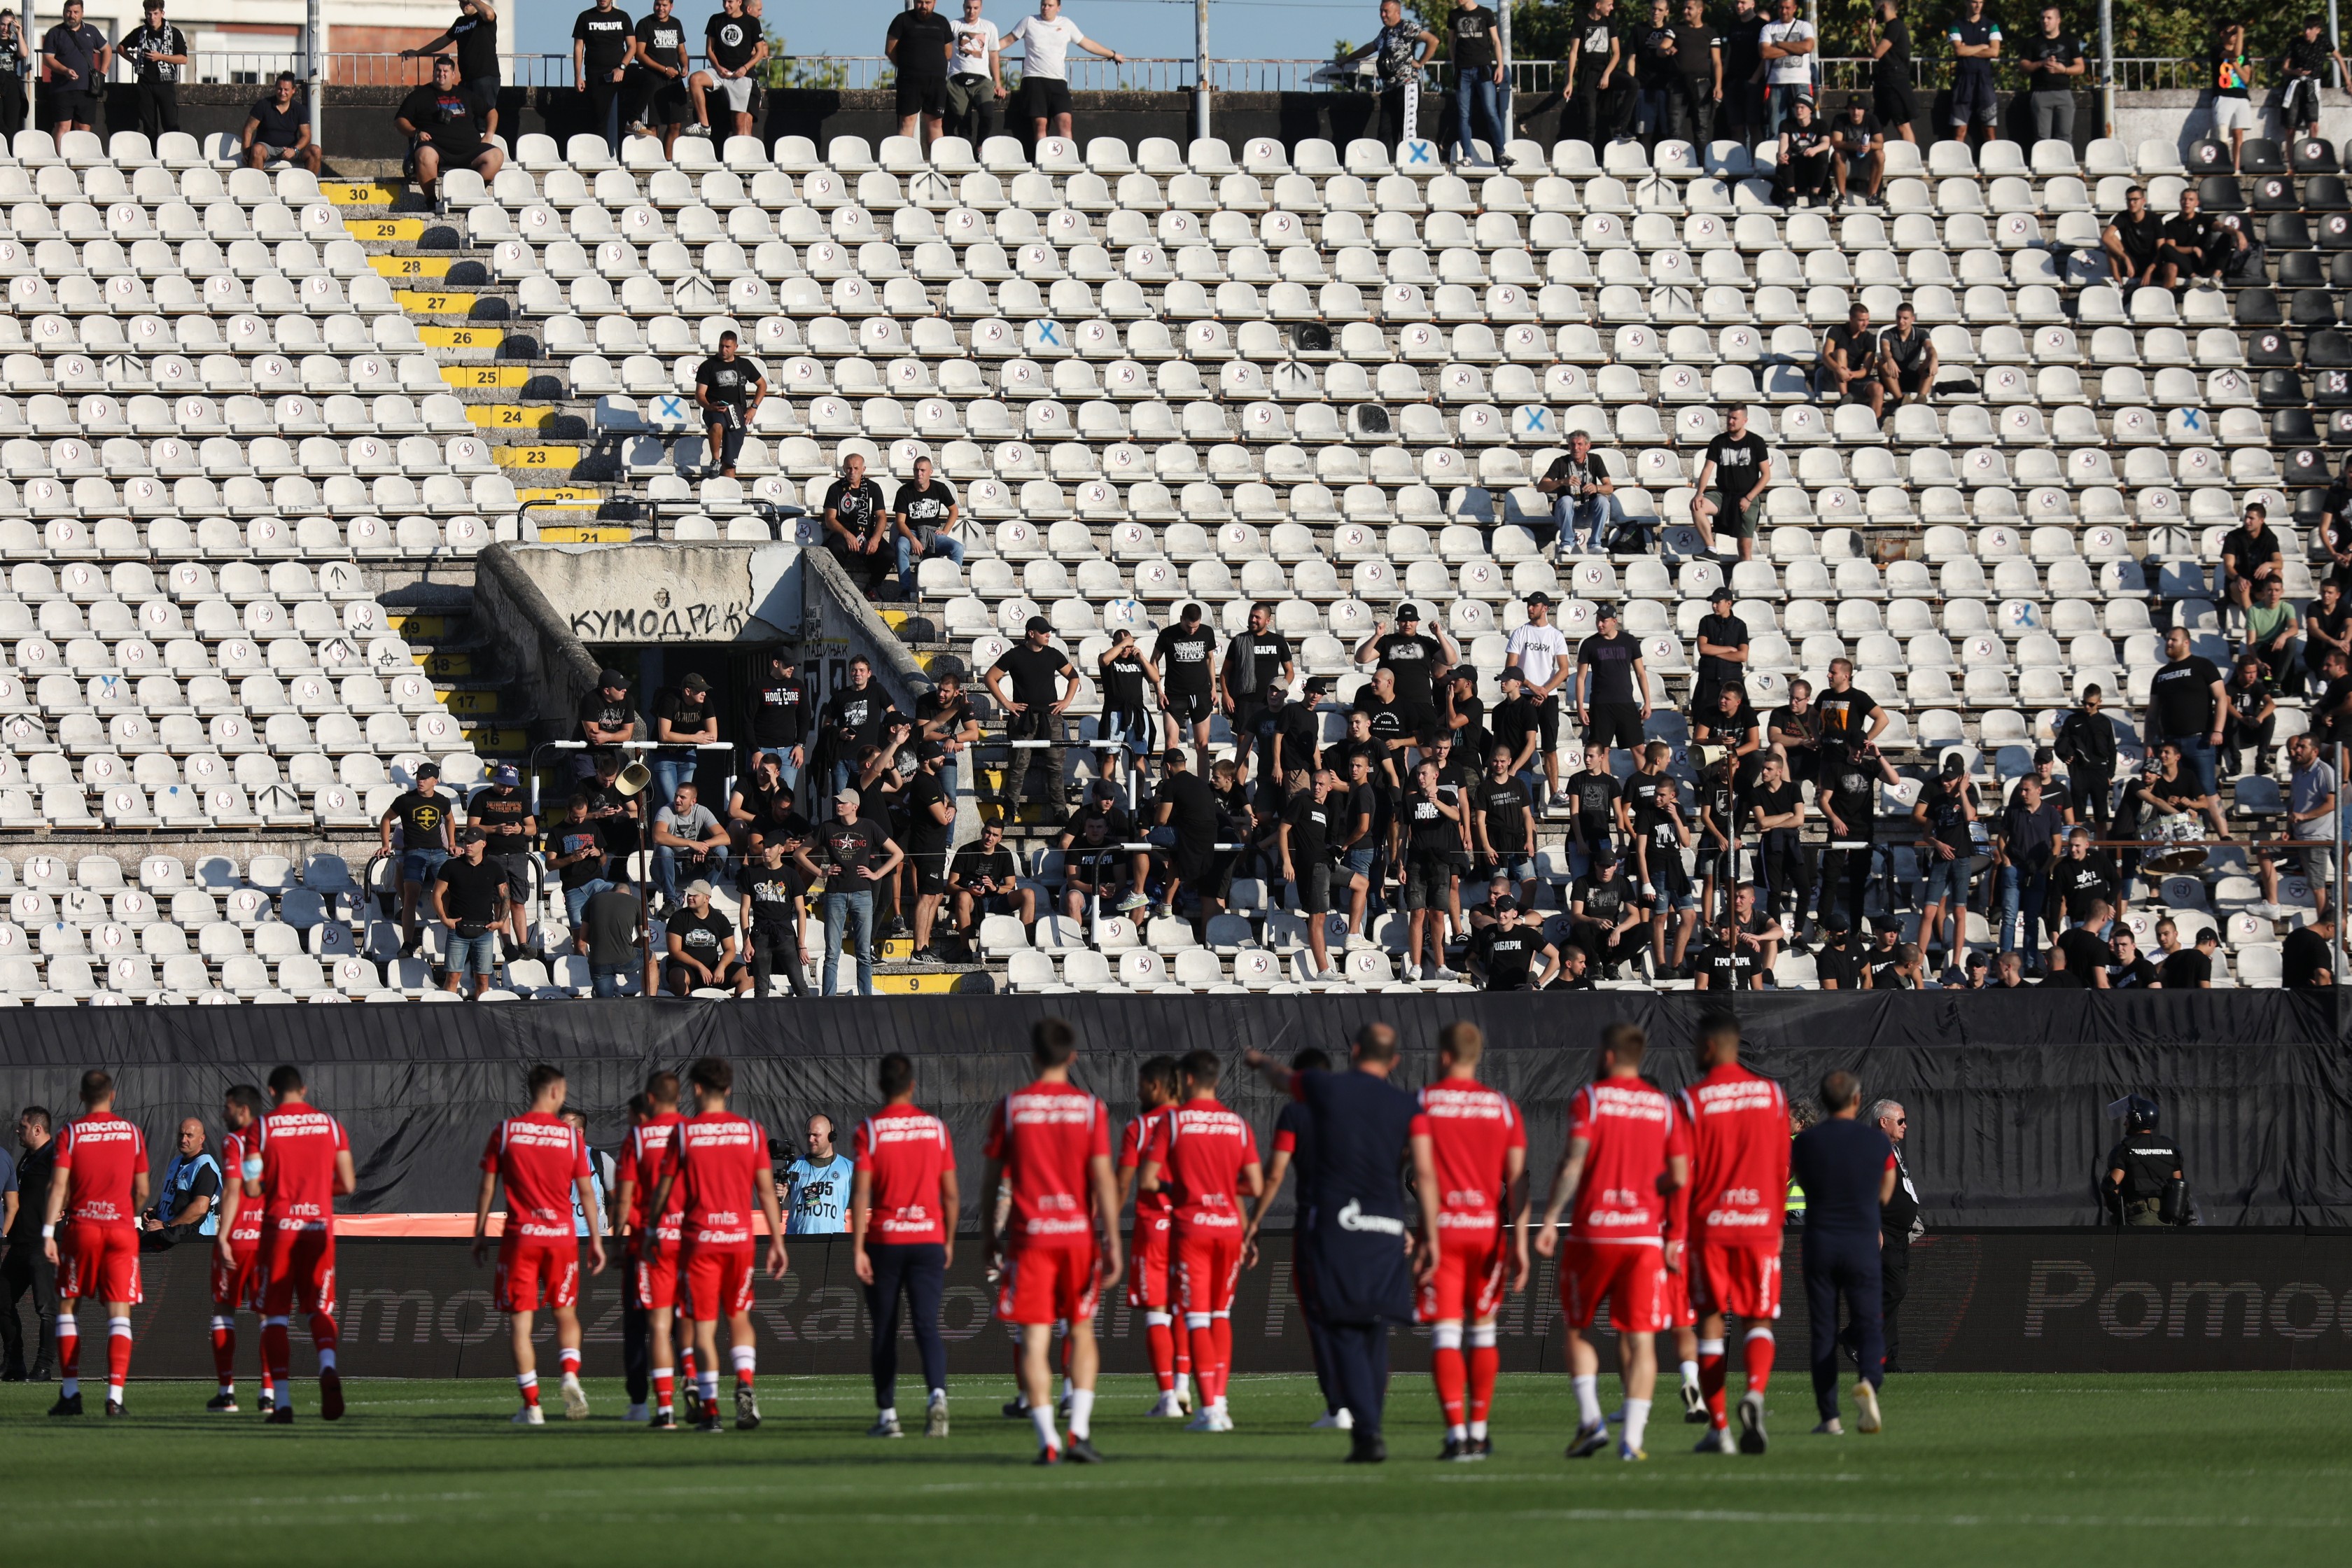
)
(1049, 1109)
(1740, 1094)
(1639, 1104)
(1474, 1104)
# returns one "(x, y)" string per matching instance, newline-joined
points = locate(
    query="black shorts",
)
(931, 873)
(1428, 880)
(667, 101)
(1913, 378)
(1043, 97)
(1314, 885)
(676, 975)
(1615, 724)
(1548, 725)
(1193, 866)
(924, 95)
(1189, 706)
(1891, 102)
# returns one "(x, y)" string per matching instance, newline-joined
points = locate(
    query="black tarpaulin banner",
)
(2006, 1092)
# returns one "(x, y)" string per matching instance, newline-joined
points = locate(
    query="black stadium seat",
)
(2332, 389)
(2327, 347)
(2286, 231)
(2339, 427)
(2205, 155)
(2220, 194)
(2299, 269)
(2305, 465)
(2281, 388)
(2326, 193)
(2261, 156)
(2313, 156)
(2276, 193)
(2310, 505)
(2258, 308)
(2313, 308)
(2339, 270)
(2336, 231)
(2294, 428)
(2269, 346)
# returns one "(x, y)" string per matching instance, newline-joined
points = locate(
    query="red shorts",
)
(1208, 1265)
(1150, 1267)
(718, 1281)
(1469, 1285)
(98, 1263)
(1045, 1285)
(236, 1284)
(1742, 1281)
(532, 1274)
(1674, 1299)
(298, 1271)
(655, 1279)
(1633, 1275)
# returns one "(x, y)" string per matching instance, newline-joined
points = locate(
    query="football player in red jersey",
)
(237, 1280)
(544, 1160)
(1049, 1148)
(1206, 1158)
(1631, 1198)
(1680, 1316)
(1739, 1182)
(1151, 1264)
(649, 1296)
(299, 1163)
(97, 1191)
(903, 1202)
(718, 1160)
(1475, 1144)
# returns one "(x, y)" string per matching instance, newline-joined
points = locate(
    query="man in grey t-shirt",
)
(686, 837)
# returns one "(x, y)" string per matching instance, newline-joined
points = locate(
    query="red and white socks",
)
(1486, 1360)
(68, 1353)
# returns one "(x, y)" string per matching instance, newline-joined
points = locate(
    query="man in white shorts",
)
(736, 49)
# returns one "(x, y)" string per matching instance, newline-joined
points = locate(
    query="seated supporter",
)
(2195, 245)
(857, 528)
(576, 850)
(277, 127)
(2133, 241)
(1860, 142)
(686, 836)
(1606, 921)
(702, 947)
(1726, 963)
(1510, 954)
(1907, 360)
(444, 124)
(1103, 801)
(983, 879)
(1802, 176)
(1848, 370)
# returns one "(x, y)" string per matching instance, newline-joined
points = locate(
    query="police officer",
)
(1353, 1235)
(2141, 1167)
(1847, 1167)
(187, 1201)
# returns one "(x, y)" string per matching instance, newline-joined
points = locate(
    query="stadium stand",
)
(1322, 377)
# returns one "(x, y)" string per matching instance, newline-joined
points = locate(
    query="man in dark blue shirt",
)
(1847, 1168)
(1352, 1238)
(1294, 1147)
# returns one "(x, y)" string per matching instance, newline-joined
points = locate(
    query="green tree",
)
(784, 69)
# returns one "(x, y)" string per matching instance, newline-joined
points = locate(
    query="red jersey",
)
(100, 1155)
(1471, 1130)
(1044, 1136)
(1631, 1128)
(1151, 1209)
(298, 1146)
(1740, 1157)
(717, 1157)
(538, 1155)
(644, 1160)
(904, 1151)
(1202, 1149)
(235, 1149)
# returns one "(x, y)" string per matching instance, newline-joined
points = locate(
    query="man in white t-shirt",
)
(1787, 44)
(1538, 651)
(976, 77)
(1046, 39)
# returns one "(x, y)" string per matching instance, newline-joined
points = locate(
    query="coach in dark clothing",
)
(1359, 1281)
(23, 1266)
(1899, 1222)
(1847, 1170)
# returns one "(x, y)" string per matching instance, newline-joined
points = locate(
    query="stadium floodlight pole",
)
(314, 39)
(2333, 32)
(2107, 64)
(1503, 92)
(2336, 829)
(1201, 70)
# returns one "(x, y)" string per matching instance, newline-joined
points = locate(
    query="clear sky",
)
(1260, 30)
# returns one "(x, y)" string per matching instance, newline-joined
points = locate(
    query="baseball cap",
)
(471, 835)
(1722, 592)
(694, 682)
(608, 675)
(2044, 754)
(1604, 612)
(429, 770)
(1605, 854)
(1408, 612)
(702, 888)
(930, 749)
(505, 773)
(1505, 905)
(1038, 624)
(1954, 765)
(1316, 686)
(844, 797)
(1539, 597)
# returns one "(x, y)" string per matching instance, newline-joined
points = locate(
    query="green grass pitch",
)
(2005, 1470)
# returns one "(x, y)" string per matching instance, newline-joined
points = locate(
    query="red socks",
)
(1222, 1326)
(1162, 1336)
(1712, 1373)
(1760, 1349)
(568, 1359)
(665, 1388)
(118, 1357)
(68, 1347)
(1445, 1368)
(1485, 1361)
(1205, 1361)
(529, 1382)
(225, 1353)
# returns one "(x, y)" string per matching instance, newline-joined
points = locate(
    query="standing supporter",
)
(1888, 37)
(1794, 730)
(772, 893)
(1787, 45)
(1654, 74)
(656, 79)
(1185, 656)
(684, 717)
(1737, 468)
(278, 128)
(1538, 649)
(1256, 657)
(1415, 663)
(1594, 78)
(1033, 707)
(96, 1194)
(237, 1277)
(1612, 702)
(2188, 707)
(904, 1202)
(649, 1242)
(76, 58)
(469, 892)
(859, 855)
(856, 525)
(1305, 840)
(1592, 794)
(1946, 814)
(1434, 833)
(729, 389)
(978, 79)
(1205, 1158)
(1776, 809)
(1054, 1223)
(930, 827)
(1699, 61)
(1475, 45)
(734, 48)
(2230, 72)
(1187, 809)
(1976, 48)
(718, 1161)
(1630, 1202)
(780, 719)
(853, 719)
(475, 32)
(600, 55)
(611, 936)
(543, 1161)
(158, 52)
(14, 67)
(1849, 803)
(920, 43)
(445, 126)
(1722, 656)
(1400, 51)
(1047, 41)
(295, 1169)
(924, 518)
(426, 839)
(501, 813)
(2307, 54)
(2030, 827)
(1505, 826)
(1847, 1169)
(1287, 739)
(2052, 60)
(1476, 1142)
(1739, 1179)
(1650, 816)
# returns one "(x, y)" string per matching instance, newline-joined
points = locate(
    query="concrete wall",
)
(669, 593)
(537, 648)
